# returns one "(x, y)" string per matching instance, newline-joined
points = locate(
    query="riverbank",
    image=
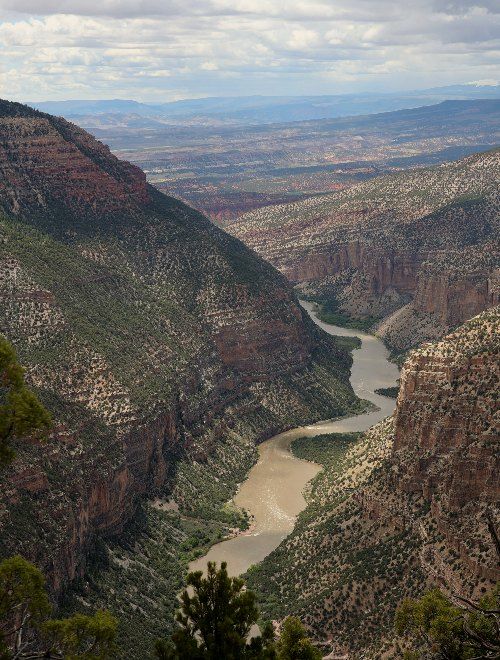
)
(273, 490)
(326, 310)
(316, 572)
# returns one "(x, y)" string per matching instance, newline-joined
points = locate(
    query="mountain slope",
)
(164, 348)
(404, 507)
(418, 249)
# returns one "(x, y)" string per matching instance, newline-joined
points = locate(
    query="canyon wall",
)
(154, 338)
(417, 251)
(35, 149)
(446, 437)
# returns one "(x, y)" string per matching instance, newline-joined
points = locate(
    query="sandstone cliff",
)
(156, 340)
(446, 445)
(405, 507)
(418, 251)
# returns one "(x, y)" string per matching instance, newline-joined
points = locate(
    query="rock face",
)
(407, 507)
(417, 250)
(38, 148)
(446, 435)
(151, 335)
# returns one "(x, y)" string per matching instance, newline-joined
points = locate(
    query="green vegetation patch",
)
(139, 575)
(391, 392)
(337, 318)
(348, 343)
(328, 449)
(329, 312)
(337, 571)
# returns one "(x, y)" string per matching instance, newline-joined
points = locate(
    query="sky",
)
(165, 50)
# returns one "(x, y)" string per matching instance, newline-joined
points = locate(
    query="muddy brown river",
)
(272, 492)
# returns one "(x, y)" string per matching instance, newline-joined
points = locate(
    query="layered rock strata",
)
(406, 508)
(417, 250)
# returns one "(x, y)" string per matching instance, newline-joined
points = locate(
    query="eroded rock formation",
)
(446, 445)
(418, 251)
(407, 508)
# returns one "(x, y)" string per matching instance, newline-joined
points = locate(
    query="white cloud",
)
(209, 66)
(302, 39)
(160, 49)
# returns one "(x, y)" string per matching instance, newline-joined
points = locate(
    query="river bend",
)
(272, 492)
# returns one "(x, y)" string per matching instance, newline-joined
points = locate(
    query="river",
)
(272, 492)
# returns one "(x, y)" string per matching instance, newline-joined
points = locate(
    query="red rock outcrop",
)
(453, 298)
(446, 434)
(94, 180)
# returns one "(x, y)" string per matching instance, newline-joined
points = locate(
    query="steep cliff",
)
(402, 508)
(161, 345)
(418, 251)
(446, 446)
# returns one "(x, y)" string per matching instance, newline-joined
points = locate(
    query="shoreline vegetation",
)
(329, 451)
(327, 310)
(391, 392)
(344, 321)
(247, 525)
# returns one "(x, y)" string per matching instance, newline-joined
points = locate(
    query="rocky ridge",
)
(404, 507)
(418, 250)
(162, 346)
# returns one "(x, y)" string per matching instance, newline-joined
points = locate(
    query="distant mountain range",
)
(261, 109)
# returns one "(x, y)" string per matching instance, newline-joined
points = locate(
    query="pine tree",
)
(294, 644)
(20, 411)
(27, 632)
(215, 620)
(453, 631)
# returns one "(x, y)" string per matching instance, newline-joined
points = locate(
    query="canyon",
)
(163, 347)
(168, 350)
(273, 490)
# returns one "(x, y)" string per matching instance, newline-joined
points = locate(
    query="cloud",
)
(160, 49)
